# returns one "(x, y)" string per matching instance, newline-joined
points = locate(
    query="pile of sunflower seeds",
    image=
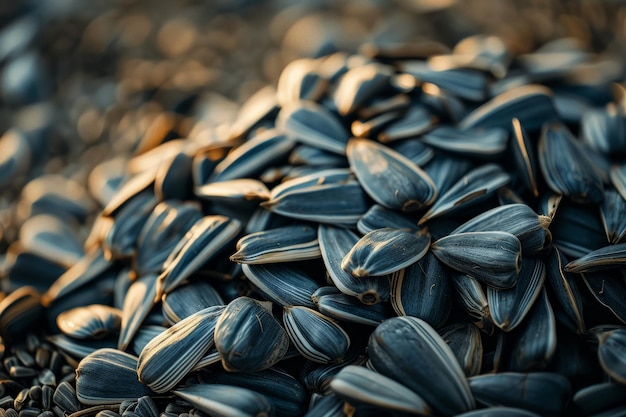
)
(407, 228)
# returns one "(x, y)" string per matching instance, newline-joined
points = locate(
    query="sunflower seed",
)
(492, 257)
(108, 376)
(316, 336)
(225, 400)
(361, 385)
(389, 178)
(335, 243)
(167, 358)
(430, 370)
(384, 251)
(248, 337)
(283, 244)
(423, 290)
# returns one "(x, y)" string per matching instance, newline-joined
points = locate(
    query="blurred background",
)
(84, 82)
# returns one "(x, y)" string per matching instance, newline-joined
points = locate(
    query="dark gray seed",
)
(51, 238)
(318, 176)
(46, 414)
(24, 357)
(120, 240)
(253, 156)
(6, 402)
(380, 105)
(359, 385)
(360, 83)
(283, 244)
(47, 393)
(473, 299)
(597, 398)
(613, 215)
(93, 321)
(517, 219)
(464, 83)
(314, 125)
(139, 301)
(316, 377)
(313, 156)
(322, 291)
(65, 397)
(618, 178)
(566, 291)
(378, 217)
(335, 203)
(414, 122)
(21, 399)
(282, 284)
(566, 167)
(10, 412)
(77, 348)
(608, 257)
(188, 299)
(328, 406)
(142, 407)
(415, 150)
(430, 369)
(349, 309)
(446, 170)
(423, 290)
(282, 390)
(465, 342)
(475, 187)
(164, 228)
(108, 376)
(42, 357)
(90, 268)
(445, 104)
(524, 157)
(612, 346)
(577, 229)
(335, 243)
(29, 412)
(22, 372)
(202, 242)
(486, 144)
(225, 400)
(20, 311)
(167, 358)
(172, 180)
(499, 412)
(545, 393)
(531, 104)
(248, 337)
(536, 340)
(35, 393)
(609, 289)
(492, 257)
(316, 336)
(371, 126)
(510, 306)
(384, 251)
(388, 177)
(143, 336)
(603, 129)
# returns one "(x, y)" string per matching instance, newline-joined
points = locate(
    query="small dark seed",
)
(29, 412)
(21, 372)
